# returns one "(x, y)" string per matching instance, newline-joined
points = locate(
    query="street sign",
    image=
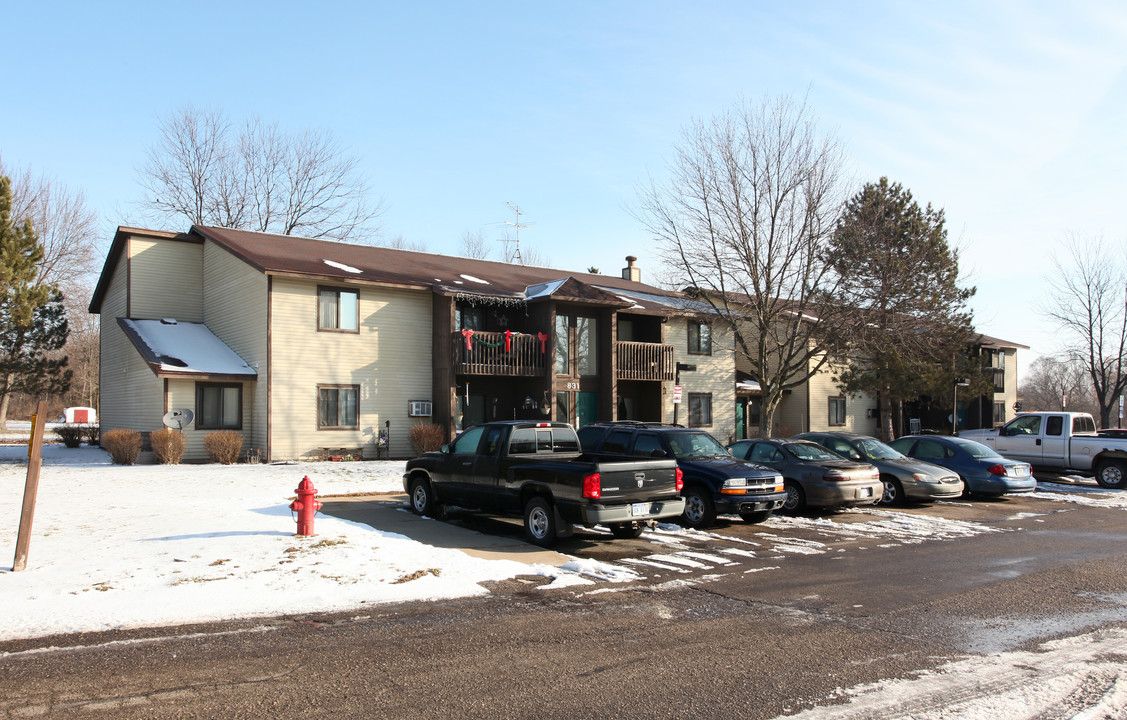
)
(676, 394)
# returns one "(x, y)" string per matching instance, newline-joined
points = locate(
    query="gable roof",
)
(443, 274)
(464, 278)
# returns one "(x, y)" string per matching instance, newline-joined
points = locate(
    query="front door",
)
(586, 408)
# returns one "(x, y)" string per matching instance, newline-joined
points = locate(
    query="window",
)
(219, 406)
(999, 413)
(700, 338)
(700, 409)
(837, 410)
(587, 346)
(338, 309)
(647, 444)
(1054, 425)
(563, 346)
(338, 407)
(617, 441)
(763, 452)
(467, 442)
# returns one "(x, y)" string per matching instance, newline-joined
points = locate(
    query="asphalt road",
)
(748, 621)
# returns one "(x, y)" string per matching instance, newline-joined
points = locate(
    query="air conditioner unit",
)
(420, 408)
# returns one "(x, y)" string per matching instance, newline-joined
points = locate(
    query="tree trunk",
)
(770, 401)
(887, 431)
(5, 398)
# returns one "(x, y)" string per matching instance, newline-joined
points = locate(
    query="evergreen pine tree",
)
(911, 327)
(33, 325)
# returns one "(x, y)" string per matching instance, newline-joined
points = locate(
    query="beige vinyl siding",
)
(793, 414)
(822, 387)
(235, 306)
(715, 374)
(1009, 397)
(132, 395)
(390, 361)
(182, 394)
(167, 279)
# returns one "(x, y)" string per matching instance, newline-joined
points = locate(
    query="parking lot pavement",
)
(389, 513)
(733, 547)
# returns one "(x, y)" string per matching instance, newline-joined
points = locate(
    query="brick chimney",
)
(631, 271)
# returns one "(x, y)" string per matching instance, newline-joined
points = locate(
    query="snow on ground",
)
(141, 545)
(1082, 677)
(119, 546)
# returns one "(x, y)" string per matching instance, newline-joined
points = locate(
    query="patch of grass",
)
(416, 575)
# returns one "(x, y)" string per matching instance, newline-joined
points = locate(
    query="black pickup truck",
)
(715, 482)
(536, 470)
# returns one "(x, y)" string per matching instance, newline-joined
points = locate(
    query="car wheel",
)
(699, 510)
(893, 491)
(796, 499)
(625, 531)
(966, 488)
(755, 517)
(1111, 474)
(422, 498)
(540, 522)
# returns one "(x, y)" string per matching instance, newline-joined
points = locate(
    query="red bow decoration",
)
(468, 335)
(508, 340)
(543, 338)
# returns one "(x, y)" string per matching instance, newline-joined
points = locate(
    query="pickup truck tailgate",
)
(636, 481)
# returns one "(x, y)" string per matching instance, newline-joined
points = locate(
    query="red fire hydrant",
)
(306, 506)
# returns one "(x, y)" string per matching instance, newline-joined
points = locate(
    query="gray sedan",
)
(904, 478)
(812, 474)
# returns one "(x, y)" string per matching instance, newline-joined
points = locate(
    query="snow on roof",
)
(543, 289)
(342, 266)
(184, 347)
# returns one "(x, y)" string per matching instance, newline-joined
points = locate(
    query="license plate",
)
(866, 492)
(640, 509)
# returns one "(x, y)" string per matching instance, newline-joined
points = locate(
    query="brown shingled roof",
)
(286, 254)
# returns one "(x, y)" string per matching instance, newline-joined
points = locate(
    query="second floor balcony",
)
(494, 353)
(644, 361)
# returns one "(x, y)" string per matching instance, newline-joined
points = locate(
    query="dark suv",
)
(715, 482)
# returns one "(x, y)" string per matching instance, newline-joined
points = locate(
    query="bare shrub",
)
(91, 433)
(168, 445)
(223, 446)
(426, 438)
(71, 435)
(123, 445)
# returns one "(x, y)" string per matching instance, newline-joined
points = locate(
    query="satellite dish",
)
(177, 419)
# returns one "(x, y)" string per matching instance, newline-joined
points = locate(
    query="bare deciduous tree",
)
(1088, 300)
(66, 227)
(1058, 382)
(474, 245)
(261, 179)
(743, 220)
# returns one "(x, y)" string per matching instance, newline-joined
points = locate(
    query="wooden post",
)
(31, 486)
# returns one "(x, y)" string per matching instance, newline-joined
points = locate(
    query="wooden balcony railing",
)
(645, 361)
(486, 355)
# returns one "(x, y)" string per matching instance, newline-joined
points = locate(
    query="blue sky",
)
(1010, 116)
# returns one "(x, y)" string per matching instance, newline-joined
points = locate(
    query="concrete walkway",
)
(389, 513)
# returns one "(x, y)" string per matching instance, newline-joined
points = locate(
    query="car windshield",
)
(694, 444)
(876, 450)
(810, 451)
(975, 450)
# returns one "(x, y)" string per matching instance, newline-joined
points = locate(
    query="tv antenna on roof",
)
(513, 256)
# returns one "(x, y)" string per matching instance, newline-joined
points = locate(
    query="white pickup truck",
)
(1059, 441)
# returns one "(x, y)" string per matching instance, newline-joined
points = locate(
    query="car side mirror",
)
(659, 453)
(445, 449)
